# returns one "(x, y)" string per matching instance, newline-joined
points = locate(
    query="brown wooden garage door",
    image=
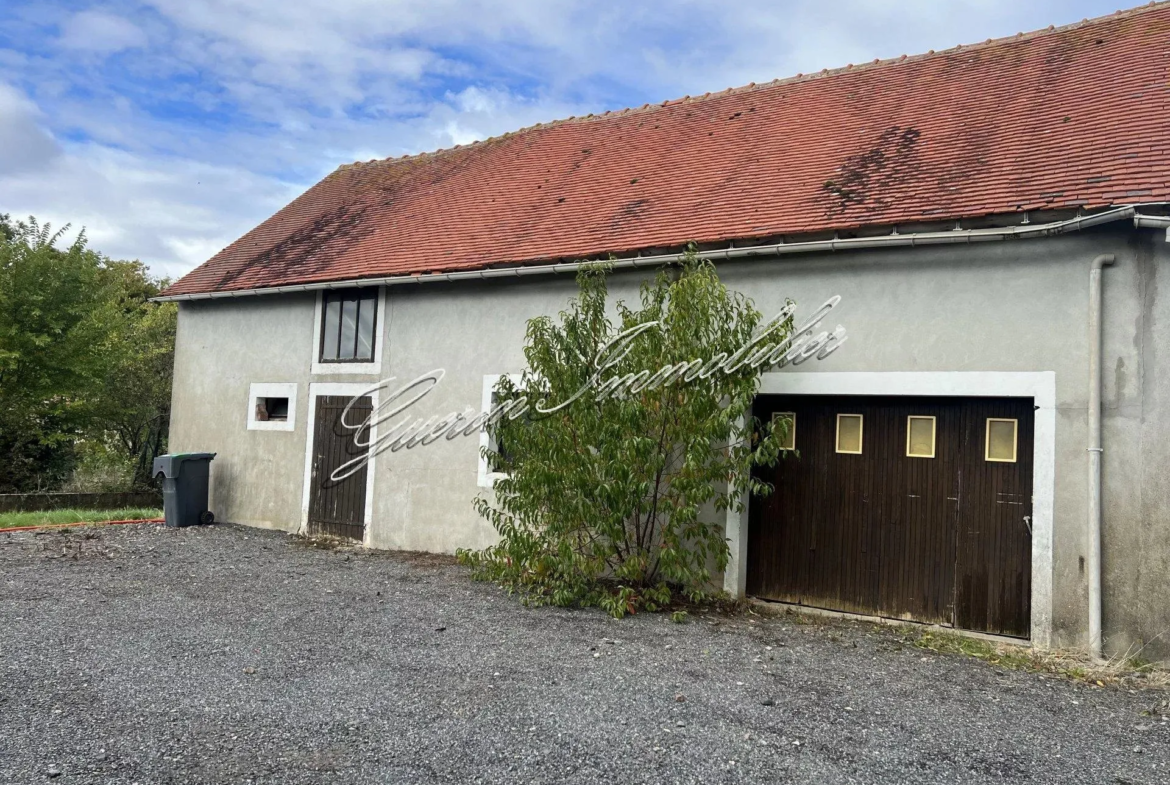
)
(872, 515)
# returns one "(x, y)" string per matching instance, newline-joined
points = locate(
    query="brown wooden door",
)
(879, 532)
(337, 507)
(994, 561)
(918, 511)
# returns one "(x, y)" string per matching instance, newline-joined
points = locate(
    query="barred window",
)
(349, 324)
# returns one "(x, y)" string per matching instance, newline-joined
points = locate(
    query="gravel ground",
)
(140, 654)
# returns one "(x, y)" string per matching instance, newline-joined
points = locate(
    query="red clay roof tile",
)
(1076, 117)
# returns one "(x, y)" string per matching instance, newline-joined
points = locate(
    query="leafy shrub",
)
(100, 470)
(617, 487)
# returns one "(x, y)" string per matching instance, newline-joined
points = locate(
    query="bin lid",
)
(171, 465)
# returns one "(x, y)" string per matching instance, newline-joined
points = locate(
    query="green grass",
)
(1069, 664)
(951, 643)
(11, 520)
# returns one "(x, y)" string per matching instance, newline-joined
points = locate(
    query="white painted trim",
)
(735, 574)
(1040, 386)
(338, 388)
(258, 390)
(317, 367)
(485, 478)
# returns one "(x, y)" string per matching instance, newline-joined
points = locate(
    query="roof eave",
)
(893, 240)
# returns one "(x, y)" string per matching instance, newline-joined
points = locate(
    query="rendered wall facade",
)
(993, 307)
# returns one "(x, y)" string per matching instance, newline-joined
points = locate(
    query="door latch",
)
(1028, 523)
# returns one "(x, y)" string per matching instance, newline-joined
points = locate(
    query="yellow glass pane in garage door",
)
(1001, 440)
(849, 427)
(788, 420)
(920, 437)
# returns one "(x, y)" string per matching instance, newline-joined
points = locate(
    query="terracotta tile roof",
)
(1069, 117)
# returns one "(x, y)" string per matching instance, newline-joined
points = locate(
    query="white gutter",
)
(1094, 559)
(1153, 222)
(895, 240)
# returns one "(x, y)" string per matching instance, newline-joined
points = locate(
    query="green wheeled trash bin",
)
(184, 486)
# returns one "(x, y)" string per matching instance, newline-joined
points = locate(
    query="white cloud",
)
(174, 214)
(99, 32)
(277, 55)
(24, 144)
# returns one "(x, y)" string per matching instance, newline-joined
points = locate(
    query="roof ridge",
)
(753, 86)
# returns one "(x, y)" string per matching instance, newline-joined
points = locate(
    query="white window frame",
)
(933, 435)
(486, 478)
(258, 390)
(349, 368)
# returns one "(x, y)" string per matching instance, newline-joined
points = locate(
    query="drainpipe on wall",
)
(1095, 453)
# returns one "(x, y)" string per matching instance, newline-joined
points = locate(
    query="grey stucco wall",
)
(1136, 536)
(220, 349)
(1017, 306)
(1023, 307)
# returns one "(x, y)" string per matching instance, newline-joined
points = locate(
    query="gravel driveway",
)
(140, 654)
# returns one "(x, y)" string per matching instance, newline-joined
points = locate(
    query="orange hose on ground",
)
(80, 523)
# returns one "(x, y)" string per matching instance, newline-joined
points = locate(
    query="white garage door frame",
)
(1040, 386)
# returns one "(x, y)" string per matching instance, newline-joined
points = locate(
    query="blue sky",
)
(169, 128)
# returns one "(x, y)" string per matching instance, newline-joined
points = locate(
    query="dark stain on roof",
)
(311, 248)
(864, 177)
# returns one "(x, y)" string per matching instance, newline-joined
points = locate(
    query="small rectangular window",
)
(349, 325)
(1001, 440)
(849, 433)
(779, 419)
(272, 406)
(920, 436)
(271, 409)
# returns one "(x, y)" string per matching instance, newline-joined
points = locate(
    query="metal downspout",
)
(1094, 558)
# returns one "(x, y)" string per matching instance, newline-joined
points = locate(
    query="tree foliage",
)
(619, 498)
(84, 358)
